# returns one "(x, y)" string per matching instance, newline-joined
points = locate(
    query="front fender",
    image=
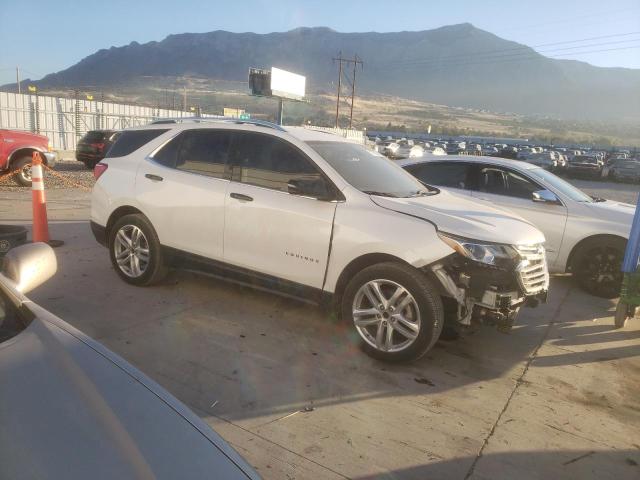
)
(367, 230)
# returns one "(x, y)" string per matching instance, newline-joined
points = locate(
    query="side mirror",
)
(544, 196)
(315, 188)
(29, 266)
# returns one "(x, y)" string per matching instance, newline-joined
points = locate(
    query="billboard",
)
(286, 84)
(260, 82)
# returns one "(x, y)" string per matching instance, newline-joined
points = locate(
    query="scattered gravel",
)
(65, 175)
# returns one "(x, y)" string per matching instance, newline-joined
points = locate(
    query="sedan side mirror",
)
(544, 196)
(29, 266)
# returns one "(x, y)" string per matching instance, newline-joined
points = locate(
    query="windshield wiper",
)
(379, 194)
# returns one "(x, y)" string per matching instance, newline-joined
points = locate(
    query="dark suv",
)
(94, 146)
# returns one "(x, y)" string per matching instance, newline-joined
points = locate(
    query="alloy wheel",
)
(386, 315)
(131, 251)
(600, 270)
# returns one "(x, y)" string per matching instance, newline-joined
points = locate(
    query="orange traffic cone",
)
(40, 224)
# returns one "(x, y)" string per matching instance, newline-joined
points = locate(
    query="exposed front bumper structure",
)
(490, 294)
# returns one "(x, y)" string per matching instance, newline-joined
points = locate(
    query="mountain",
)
(458, 65)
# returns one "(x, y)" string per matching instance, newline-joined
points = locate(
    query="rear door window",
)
(204, 152)
(130, 141)
(442, 174)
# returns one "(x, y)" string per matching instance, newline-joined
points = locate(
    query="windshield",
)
(368, 171)
(560, 185)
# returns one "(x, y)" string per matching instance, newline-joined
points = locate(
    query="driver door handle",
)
(240, 196)
(155, 178)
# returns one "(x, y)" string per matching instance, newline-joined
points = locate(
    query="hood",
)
(70, 408)
(459, 215)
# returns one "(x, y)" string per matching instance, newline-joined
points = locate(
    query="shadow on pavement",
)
(564, 464)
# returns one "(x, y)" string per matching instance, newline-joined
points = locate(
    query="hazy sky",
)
(47, 36)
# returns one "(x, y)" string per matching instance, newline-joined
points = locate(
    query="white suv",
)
(312, 215)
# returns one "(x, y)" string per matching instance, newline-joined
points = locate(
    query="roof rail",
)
(259, 123)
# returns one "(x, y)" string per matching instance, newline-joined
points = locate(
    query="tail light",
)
(99, 169)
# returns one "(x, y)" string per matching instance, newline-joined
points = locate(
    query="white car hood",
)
(459, 215)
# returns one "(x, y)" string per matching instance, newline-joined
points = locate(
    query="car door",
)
(268, 229)
(181, 188)
(513, 190)
(454, 176)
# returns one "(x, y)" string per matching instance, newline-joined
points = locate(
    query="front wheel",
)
(396, 311)
(135, 251)
(597, 266)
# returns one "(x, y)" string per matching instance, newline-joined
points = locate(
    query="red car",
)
(16, 152)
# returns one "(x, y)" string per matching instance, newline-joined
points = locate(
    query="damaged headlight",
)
(482, 252)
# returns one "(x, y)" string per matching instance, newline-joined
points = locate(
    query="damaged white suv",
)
(312, 215)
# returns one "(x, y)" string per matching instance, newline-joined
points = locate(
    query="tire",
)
(90, 164)
(418, 304)
(23, 176)
(144, 269)
(596, 266)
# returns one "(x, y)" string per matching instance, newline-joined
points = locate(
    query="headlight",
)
(482, 252)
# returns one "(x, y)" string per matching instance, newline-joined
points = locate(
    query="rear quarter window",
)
(130, 141)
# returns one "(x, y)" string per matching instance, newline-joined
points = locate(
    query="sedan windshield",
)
(560, 185)
(369, 171)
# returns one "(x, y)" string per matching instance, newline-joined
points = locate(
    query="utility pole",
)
(184, 99)
(353, 87)
(355, 61)
(18, 79)
(339, 59)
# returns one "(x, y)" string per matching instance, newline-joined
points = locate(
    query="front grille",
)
(532, 273)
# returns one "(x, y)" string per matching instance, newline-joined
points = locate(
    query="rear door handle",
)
(240, 196)
(155, 178)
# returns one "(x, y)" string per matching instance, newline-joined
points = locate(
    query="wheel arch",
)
(358, 264)
(577, 246)
(119, 213)
(20, 152)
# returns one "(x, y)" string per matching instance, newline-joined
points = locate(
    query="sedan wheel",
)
(131, 251)
(386, 315)
(597, 268)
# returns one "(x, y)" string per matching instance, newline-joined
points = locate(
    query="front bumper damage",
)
(489, 295)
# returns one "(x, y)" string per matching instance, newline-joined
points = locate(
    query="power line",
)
(524, 58)
(514, 49)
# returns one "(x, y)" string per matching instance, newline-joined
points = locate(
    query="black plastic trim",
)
(99, 232)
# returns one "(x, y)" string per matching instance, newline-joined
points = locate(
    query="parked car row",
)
(620, 165)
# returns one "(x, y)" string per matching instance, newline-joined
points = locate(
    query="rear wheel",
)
(135, 251)
(597, 266)
(396, 311)
(23, 173)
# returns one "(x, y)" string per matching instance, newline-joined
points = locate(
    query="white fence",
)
(65, 120)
